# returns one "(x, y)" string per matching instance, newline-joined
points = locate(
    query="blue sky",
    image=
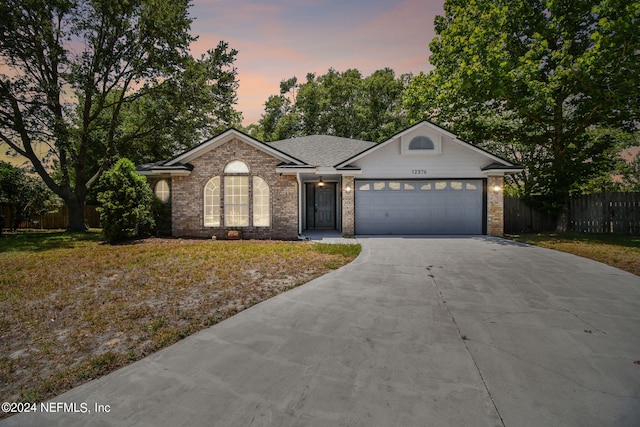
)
(281, 39)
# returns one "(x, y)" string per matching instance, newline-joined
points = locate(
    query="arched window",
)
(261, 214)
(162, 190)
(212, 203)
(236, 166)
(421, 143)
(231, 193)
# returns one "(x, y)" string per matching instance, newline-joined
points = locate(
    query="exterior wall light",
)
(348, 189)
(320, 183)
(496, 189)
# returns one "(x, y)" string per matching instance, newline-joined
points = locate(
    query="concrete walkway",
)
(329, 237)
(416, 332)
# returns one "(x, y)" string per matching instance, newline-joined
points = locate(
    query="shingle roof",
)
(160, 166)
(499, 166)
(322, 150)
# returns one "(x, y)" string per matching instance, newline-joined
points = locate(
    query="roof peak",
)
(320, 136)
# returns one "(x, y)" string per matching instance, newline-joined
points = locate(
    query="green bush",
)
(125, 202)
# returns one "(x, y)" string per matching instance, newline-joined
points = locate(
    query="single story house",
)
(423, 180)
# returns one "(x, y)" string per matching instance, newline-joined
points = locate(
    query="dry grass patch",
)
(79, 309)
(622, 252)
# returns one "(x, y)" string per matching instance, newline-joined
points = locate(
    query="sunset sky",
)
(284, 38)
(279, 39)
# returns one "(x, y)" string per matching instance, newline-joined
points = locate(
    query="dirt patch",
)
(79, 312)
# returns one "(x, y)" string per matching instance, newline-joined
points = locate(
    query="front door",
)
(321, 206)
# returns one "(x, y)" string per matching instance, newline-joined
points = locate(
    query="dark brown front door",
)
(321, 206)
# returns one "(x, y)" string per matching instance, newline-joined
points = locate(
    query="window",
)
(236, 167)
(236, 201)
(227, 199)
(421, 143)
(377, 186)
(456, 185)
(394, 186)
(261, 214)
(212, 203)
(162, 190)
(364, 187)
(409, 187)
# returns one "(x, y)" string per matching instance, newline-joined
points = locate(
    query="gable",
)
(223, 138)
(427, 151)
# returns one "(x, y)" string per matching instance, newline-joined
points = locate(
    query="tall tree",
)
(535, 79)
(337, 103)
(193, 105)
(383, 113)
(95, 80)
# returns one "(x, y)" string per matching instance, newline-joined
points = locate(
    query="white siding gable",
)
(393, 160)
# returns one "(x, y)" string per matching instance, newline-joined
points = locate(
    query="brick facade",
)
(187, 195)
(348, 206)
(495, 206)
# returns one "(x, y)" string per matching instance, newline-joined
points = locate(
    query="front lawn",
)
(74, 309)
(622, 252)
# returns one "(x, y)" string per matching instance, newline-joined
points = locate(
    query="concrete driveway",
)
(416, 332)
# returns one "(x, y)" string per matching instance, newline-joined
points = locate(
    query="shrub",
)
(26, 196)
(125, 202)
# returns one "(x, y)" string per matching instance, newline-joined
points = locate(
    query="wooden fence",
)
(611, 213)
(614, 213)
(53, 220)
(522, 218)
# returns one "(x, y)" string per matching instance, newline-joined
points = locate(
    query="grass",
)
(44, 240)
(74, 308)
(619, 251)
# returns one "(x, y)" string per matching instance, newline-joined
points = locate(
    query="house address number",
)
(418, 171)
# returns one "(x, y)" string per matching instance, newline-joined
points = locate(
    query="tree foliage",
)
(337, 103)
(94, 81)
(26, 196)
(126, 202)
(537, 81)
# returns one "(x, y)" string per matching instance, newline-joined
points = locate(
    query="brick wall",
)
(187, 198)
(495, 206)
(348, 206)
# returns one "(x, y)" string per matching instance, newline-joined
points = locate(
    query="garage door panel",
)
(419, 207)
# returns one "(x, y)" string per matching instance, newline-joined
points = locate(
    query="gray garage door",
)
(419, 207)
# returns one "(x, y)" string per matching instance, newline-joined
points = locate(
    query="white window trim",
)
(258, 182)
(214, 217)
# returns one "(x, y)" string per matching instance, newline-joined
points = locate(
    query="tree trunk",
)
(562, 222)
(76, 216)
